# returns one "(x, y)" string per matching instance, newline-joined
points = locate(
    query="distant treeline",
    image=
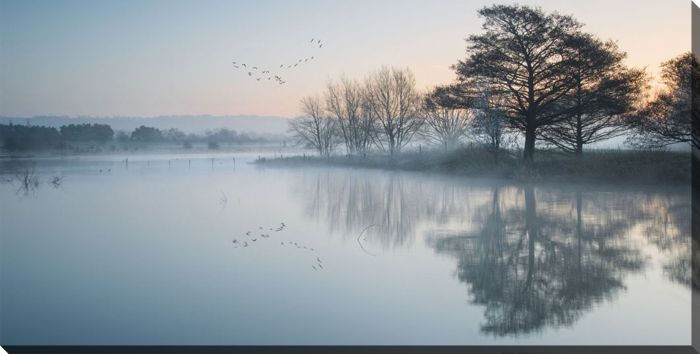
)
(21, 137)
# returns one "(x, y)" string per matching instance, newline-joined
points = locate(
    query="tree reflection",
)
(666, 224)
(534, 259)
(394, 204)
(533, 268)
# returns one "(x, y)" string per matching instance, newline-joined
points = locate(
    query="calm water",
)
(156, 252)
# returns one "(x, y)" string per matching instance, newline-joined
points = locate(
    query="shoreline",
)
(617, 167)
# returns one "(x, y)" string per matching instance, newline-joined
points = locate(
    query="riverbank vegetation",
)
(532, 82)
(608, 166)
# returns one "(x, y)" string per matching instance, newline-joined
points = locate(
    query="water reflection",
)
(387, 209)
(667, 225)
(533, 267)
(22, 175)
(533, 258)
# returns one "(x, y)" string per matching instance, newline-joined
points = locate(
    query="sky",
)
(157, 57)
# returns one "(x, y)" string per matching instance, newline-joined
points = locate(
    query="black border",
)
(695, 314)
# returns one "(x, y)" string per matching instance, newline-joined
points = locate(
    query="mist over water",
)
(199, 249)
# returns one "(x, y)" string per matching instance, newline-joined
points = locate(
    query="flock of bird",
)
(261, 73)
(253, 237)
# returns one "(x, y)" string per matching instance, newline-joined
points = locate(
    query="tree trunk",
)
(579, 134)
(579, 148)
(530, 137)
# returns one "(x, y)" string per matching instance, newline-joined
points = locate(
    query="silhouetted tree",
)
(315, 129)
(604, 91)
(666, 119)
(87, 132)
(346, 102)
(21, 137)
(146, 134)
(446, 117)
(394, 102)
(524, 54)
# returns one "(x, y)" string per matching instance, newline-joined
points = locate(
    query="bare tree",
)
(524, 54)
(315, 129)
(394, 102)
(490, 124)
(345, 100)
(446, 117)
(666, 119)
(604, 92)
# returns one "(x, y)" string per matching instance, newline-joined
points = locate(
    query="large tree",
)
(525, 55)
(605, 90)
(666, 119)
(315, 129)
(345, 101)
(394, 102)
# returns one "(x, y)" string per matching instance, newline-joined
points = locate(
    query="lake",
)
(199, 249)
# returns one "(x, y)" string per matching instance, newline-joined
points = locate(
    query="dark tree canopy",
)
(604, 91)
(525, 56)
(666, 119)
(20, 137)
(146, 134)
(87, 132)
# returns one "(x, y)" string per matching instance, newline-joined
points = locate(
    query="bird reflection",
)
(296, 244)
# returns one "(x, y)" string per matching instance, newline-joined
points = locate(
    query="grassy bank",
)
(609, 166)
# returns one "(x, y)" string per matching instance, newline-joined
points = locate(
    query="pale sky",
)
(149, 58)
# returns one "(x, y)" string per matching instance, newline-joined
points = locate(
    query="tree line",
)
(529, 76)
(23, 137)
